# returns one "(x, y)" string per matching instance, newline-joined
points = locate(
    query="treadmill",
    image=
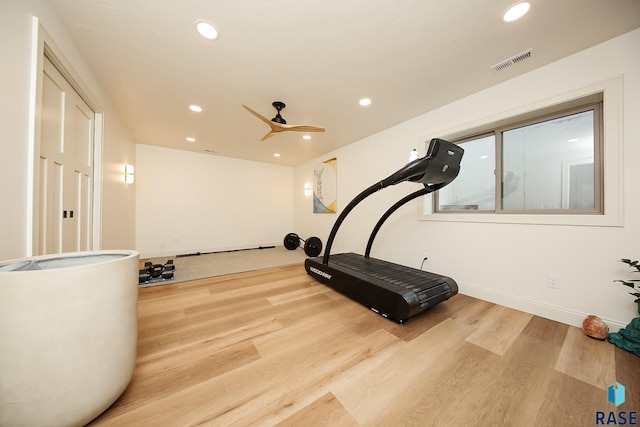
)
(394, 291)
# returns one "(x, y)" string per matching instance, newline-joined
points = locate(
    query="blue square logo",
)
(616, 394)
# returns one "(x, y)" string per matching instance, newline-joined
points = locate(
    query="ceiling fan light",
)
(207, 30)
(365, 101)
(306, 137)
(195, 108)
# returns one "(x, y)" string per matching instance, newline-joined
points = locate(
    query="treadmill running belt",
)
(392, 290)
(398, 277)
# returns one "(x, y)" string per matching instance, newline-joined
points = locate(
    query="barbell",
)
(312, 246)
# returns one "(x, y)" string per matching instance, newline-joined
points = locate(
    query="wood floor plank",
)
(546, 330)
(306, 332)
(267, 383)
(195, 332)
(318, 304)
(520, 382)
(472, 310)
(499, 328)
(323, 412)
(369, 395)
(421, 323)
(275, 347)
(210, 345)
(258, 290)
(343, 360)
(173, 302)
(587, 359)
(202, 312)
(628, 374)
(253, 278)
(503, 390)
(297, 294)
(175, 378)
(431, 399)
(570, 402)
(147, 323)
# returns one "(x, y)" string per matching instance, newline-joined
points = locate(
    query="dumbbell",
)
(168, 269)
(312, 246)
(154, 272)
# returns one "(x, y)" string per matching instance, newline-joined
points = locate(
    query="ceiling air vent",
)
(527, 54)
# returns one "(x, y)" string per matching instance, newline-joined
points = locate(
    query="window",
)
(545, 162)
(475, 186)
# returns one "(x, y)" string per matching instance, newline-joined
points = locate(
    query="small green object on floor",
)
(628, 338)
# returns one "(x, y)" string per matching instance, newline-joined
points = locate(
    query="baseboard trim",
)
(558, 314)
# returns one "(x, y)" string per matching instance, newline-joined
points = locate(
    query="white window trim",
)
(612, 167)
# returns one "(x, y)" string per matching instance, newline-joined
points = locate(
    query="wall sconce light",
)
(307, 189)
(413, 155)
(128, 174)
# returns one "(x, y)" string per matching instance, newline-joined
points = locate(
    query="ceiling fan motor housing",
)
(278, 105)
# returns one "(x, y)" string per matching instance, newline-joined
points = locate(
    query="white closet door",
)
(66, 166)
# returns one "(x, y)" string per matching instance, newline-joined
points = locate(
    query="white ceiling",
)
(319, 57)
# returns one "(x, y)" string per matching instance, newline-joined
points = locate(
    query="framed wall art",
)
(325, 187)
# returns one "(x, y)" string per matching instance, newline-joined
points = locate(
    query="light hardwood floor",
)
(274, 347)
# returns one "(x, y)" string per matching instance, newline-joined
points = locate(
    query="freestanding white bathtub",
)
(68, 336)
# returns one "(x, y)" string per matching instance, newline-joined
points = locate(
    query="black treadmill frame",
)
(352, 283)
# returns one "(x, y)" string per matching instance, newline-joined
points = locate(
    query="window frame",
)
(591, 104)
(610, 92)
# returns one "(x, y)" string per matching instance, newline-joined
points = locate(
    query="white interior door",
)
(65, 166)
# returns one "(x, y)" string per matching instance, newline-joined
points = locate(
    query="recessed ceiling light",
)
(276, 155)
(306, 137)
(365, 101)
(516, 12)
(195, 108)
(207, 30)
(190, 139)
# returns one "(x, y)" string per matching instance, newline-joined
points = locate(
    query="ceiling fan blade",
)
(268, 135)
(258, 115)
(303, 128)
(278, 127)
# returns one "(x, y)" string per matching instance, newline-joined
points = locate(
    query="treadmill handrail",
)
(426, 190)
(415, 171)
(360, 197)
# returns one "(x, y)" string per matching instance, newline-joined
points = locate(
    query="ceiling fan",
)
(278, 124)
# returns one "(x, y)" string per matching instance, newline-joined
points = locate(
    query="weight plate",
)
(291, 241)
(313, 246)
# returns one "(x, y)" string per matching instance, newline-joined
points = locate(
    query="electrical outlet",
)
(553, 281)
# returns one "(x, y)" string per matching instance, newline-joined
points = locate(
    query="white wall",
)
(505, 263)
(16, 41)
(190, 202)
(118, 198)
